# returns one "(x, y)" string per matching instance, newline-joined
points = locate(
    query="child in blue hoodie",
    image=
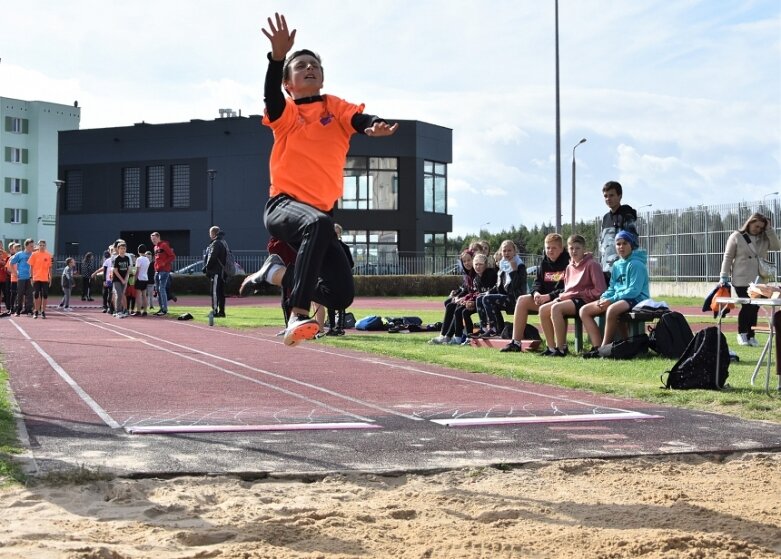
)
(628, 286)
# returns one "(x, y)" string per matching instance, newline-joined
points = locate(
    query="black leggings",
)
(322, 272)
(747, 317)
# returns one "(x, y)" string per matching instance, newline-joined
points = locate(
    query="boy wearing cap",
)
(311, 138)
(628, 286)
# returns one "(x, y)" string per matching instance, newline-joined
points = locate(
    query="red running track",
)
(160, 375)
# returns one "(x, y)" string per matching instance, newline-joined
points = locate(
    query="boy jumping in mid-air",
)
(311, 138)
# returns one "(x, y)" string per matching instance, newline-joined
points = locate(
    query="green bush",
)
(365, 286)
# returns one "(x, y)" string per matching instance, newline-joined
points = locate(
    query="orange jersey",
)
(310, 147)
(11, 269)
(40, 265)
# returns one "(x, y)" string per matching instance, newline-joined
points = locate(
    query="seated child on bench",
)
(628, 286)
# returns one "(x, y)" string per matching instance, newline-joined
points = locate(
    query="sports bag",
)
(697, 366)
(229, 269)
(670, 336)
(371, 322)
(626, 349)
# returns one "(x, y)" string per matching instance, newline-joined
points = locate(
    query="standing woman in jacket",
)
(745, 248)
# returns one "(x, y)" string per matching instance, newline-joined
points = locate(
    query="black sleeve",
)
(361, 121)
(272, 90)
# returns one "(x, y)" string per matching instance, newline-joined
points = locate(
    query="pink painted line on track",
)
(168, 429)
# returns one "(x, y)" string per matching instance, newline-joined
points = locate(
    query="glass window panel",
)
(155, 186)
(440, 195)
(131, 188)
(180, 186)
(74, 190)
(428, 167)
(428, 193)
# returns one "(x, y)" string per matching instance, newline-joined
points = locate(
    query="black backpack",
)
(671, 335)
(697, 366)
(626, 349)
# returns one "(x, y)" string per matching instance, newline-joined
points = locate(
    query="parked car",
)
(197, 268)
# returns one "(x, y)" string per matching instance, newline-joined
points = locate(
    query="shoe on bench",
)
(253, 281)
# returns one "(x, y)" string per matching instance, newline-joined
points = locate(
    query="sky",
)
(679, 101)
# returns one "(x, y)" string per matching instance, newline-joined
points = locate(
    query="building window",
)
(17, 125)
(15, 215)
(155, 186)
(74, 191)
(374, 252)
(434, 187)
(180, 186)
(435, 244)
(16, 186)
(370, 183)
(16, 155)
(131, 188)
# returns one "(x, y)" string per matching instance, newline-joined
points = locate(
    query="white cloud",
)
(678, 100)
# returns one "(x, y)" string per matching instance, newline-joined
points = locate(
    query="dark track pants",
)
(322, 272)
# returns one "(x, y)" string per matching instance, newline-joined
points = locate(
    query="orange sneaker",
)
(299, 328)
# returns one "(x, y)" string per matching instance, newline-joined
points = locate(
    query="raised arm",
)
(281, 37)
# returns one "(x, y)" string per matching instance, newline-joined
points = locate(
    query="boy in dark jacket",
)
(621, 217)
(214, 267)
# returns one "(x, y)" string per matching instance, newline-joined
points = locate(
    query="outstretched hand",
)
(381, 128)
(281, 38)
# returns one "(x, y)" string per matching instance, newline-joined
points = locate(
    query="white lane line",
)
(473, 421)
(221, 369)
(94, 406)
(157, 429)
(115, 329)
(418, 370)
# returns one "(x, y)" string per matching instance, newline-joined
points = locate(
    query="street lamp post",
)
(573, 184)
(59, 185)
(212, 173)
(558, 130)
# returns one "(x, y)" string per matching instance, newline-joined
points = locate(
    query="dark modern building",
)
(181, 178)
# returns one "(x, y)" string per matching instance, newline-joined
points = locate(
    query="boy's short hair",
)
(613, 185)
(554, 238)
(28, 242)
(141, 249)
(296, 54)
(577, 239)
(480, 257)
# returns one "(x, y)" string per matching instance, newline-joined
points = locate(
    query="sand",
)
(675, 506)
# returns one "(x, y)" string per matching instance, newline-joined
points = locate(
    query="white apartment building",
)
(28, 167)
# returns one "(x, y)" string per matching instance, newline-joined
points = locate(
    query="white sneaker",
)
(455, 340)
(753, 342)
(439, 340)
(253, 281)
(300, 328)
(743, 339)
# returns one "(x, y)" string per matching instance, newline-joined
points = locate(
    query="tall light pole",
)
(59, 185)
(212, 173)
(558, 130)
(573, 184)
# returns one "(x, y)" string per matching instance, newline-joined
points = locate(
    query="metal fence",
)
(682, 245)
(688, 244)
